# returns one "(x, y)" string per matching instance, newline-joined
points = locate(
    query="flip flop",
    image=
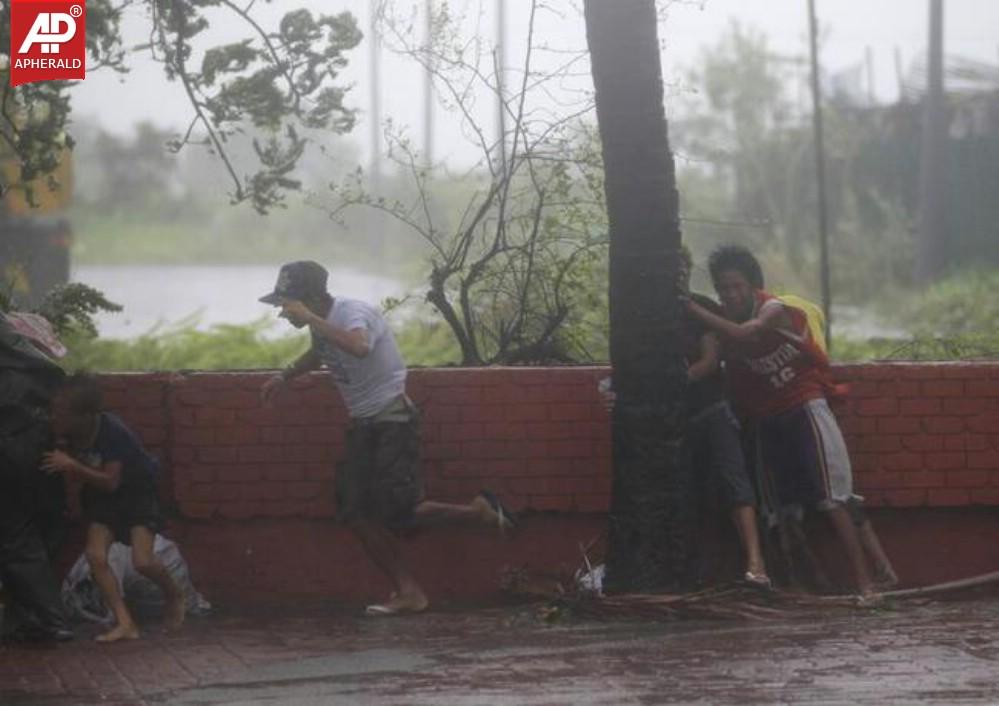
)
(507, 520)
(758, 580)
(380, 609)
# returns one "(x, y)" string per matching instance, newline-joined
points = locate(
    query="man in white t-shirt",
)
(379, 487)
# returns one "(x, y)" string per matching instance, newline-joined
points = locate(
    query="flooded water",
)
(154, 295)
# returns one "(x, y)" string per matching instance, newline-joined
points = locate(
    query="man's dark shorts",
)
(124, 509)
(717, 455)
(379, 479)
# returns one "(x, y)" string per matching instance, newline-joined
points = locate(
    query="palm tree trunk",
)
(647, 533)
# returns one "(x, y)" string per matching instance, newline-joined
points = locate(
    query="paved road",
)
(941, 653)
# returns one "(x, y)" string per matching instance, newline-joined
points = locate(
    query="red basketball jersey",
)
(778, 369)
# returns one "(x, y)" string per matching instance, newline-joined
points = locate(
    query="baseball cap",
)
(298, 280)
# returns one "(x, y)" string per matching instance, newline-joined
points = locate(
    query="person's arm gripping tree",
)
(772, 316)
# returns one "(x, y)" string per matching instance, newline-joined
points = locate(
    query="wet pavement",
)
(939, 653)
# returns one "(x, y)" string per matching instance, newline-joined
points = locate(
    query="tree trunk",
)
(647, 533)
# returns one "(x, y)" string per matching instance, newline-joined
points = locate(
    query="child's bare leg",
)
(744, 517)
(884, 573)
(850, 539)
(99, 539)
(145, 562)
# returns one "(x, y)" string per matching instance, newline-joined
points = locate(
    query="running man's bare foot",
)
(493, 512)
(173, 615)
(120, 632)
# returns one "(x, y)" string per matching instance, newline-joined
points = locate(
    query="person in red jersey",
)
(780, 379)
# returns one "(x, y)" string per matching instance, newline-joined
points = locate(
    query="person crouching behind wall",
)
(119, 496)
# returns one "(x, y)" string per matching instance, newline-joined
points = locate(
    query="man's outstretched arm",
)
(769, 318)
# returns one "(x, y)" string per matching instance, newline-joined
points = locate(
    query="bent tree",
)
(646, 543)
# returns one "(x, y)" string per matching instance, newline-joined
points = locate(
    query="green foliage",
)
(72, 306)
(278, 82)
(183, 347)
(963, 304)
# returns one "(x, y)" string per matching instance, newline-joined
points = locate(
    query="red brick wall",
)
(252, 486)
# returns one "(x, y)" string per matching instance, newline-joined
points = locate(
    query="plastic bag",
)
(83, 598)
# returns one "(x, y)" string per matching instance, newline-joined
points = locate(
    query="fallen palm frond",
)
(730, 601)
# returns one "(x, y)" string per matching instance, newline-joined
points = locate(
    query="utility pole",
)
(501, 80)
(820, 169)
(428, 87)
(930, 255)
(374, 58)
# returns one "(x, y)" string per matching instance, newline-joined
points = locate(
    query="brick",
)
(199, 510)
(505, 430)
(967, 479)
(899, 425)
(591, 503)
(550, 503)
(569, 412)
(531, 486)
(585, 394)
(576, 448)
(923, 443)
(876, 407)
(208, 492)
(860, 389)
(214, 417)
(238, 474)
(968, 371)
(943, 425)
(285, 473)
(985, 424)
(314, 435)
(944, 460)
(899, 388)
(880, 444)
(905, 498)
(527, 413)
(304, 453)
(965, 407)
(318, 471)
(985, 496)
(218, 454)
(261, 454)
(237, 435)
(879, 481)
(504, 468)
(439, 451)
(966, 442)
(182, 454)
(462, 432)
(942, 388)
(548, 467)
(482, 413)
(550, 430)
(242, 510)
(919, 407)
(923, 479)
(902, 461)
(458, 396)
(486, 449)
(948, 497)
(304, 490)
(983, 459)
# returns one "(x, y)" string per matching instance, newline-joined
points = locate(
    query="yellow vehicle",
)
(35, 235)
